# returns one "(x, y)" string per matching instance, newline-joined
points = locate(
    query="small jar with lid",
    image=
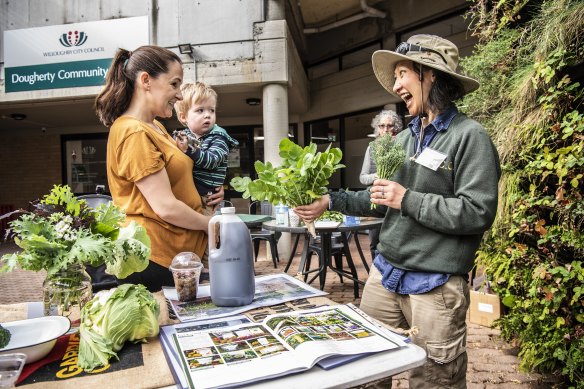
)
(186, 268)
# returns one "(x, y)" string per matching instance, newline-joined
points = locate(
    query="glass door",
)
(84, 162)
(352, 133)
(358, 134)
(241, 158)
(324, 133)
(251, 149)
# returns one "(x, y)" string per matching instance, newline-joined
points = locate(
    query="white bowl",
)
(35, 337)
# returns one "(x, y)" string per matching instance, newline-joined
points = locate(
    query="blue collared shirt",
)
(410, 282)
(440, 124)
(407, 282)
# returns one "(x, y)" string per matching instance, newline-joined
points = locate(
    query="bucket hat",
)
(429, 50)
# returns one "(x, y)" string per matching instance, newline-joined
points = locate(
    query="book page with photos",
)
(280, 345)
(256, 315)
(169, 346)
(269, 290)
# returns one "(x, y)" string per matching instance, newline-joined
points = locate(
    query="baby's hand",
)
(182, 142)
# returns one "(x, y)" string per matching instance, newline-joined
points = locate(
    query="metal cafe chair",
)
(314, 247)
(259, 234)
(339, 248)
(100, 280)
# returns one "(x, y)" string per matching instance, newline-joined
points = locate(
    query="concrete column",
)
(275, 10)
(275, 106)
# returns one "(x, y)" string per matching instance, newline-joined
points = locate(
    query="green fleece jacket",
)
(444, 213)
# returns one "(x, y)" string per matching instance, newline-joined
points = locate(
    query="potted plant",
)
(62, 234)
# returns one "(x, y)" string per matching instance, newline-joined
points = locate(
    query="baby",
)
(206, 143)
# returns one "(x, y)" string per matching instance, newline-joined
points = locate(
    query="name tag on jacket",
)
(431, 159)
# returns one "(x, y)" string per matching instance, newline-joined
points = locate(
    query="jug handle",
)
(211, 234)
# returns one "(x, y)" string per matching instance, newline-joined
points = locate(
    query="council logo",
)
(73, 38)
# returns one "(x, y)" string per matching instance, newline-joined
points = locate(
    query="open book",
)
(269, 290)
(222, 356)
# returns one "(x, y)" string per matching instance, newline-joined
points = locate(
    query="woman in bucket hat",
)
(435, 208)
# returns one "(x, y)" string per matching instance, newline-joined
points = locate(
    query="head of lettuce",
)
(126, 313)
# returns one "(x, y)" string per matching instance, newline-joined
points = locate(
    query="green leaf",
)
(108, 219)
(509, 301)
(91, 249)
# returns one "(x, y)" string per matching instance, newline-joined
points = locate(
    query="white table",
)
(361, 371)
(358, 372)
(326, 261)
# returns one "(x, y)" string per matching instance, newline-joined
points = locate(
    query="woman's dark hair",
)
(117, 93)
(445, 90)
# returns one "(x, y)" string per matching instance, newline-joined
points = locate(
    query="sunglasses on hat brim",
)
(404, 48)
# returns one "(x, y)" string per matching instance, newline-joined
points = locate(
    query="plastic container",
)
(10, 368)
(186, 268)
(351, 220)
(293, 218)
(282, 215)
(231, 260)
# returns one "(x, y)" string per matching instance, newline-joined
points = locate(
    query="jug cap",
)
(227, 210)
(184, 260)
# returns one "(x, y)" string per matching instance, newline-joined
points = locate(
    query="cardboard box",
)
(484, 308)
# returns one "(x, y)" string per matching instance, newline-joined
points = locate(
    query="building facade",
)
(282, 68)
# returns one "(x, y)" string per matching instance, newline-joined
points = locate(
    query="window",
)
(357, 131)
(324, 133)
(250, 149)
(84, 160)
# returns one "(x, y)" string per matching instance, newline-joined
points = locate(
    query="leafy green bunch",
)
(388, 155)
(332, 216)
(302, 177)
(63, 230)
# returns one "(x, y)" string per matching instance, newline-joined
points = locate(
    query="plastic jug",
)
(231, 264)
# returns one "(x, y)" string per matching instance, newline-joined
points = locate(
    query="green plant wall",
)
(529, 61)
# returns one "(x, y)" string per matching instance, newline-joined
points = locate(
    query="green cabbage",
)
(126, 313)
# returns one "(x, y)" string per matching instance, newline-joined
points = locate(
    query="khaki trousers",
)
(437, 322)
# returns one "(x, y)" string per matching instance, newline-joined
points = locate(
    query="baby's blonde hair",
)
(193, 94)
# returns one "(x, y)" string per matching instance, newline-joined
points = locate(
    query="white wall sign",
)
(68, 55)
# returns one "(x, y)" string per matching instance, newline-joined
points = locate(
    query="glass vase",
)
(66, 292)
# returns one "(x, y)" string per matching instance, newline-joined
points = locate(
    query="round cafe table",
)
(326, 230)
